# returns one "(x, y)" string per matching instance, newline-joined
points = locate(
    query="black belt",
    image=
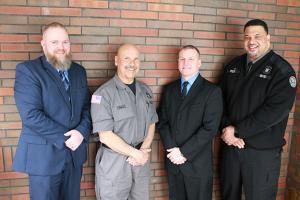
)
(138, 146)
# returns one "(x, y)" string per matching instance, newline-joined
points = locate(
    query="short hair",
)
(257, 22)
(191, 47)
(53, 25)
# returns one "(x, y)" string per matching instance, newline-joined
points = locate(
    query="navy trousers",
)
(63, 186)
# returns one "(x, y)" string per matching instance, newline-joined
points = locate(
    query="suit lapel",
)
(176, 92)
(194, 90)
(53, 74)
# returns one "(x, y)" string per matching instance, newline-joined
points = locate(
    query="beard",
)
(61, 64)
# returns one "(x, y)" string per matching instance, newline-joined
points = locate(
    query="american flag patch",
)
(96, 99)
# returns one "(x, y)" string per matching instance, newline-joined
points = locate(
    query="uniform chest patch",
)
(96, 99)
(233, 70)
(267, 70)
(293, 81)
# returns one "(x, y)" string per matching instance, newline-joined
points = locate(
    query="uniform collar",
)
(257, 59)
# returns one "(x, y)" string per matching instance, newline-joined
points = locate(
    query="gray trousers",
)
(116, 179)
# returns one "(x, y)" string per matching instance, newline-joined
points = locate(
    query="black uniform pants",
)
(183, 187)
(256, 170)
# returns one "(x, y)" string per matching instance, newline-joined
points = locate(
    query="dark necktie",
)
(249, 66)
(64, 79)
(184, 89)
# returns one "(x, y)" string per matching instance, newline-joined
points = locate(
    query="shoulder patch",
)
(96, 99)
(293, 81)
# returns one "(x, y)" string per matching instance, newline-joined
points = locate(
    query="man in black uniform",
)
(259, 90)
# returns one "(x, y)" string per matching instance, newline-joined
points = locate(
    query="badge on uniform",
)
(233, 70)
(148, 95)
(96, 99)
(267, 70)
(293, 81)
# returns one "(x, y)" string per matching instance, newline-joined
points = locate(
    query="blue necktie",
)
(184, 89)
(64, 79)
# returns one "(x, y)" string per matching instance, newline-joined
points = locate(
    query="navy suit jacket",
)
(191, 124)
(47, 113)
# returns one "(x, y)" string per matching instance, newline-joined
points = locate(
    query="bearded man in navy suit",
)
(52, 97)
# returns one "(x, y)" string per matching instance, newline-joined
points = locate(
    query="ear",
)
(116, 60)
(199, 63)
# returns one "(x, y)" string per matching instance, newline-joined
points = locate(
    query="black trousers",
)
(257, 171)
(183, 187)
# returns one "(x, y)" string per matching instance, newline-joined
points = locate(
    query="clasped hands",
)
(139, 157)
(74, 140)
(229, 138)
(175, 156)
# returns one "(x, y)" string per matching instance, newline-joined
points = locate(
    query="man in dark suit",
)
(189, 116)
(52, 97)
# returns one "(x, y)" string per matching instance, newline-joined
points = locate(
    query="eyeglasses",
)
(56, 43)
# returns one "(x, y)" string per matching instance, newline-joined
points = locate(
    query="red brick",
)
(292, 54)
(127, 23)
(13, 2)
(42, 20)
(7, 155)
(287, 47)
(139, 14)
(167, 65)
(13, 38)
(35, 38)
(107, 13)
(128, 5)
(212, 51)
(168, 49)
(161, 73)
(12, 175)
(237, 21)
(13, 56)
(7, 74)
(231, 12)
(295, 3)
(88, 3)
(139, 32)
(209, 35)
(242, 6)
(61, 11)
(289, 18)
(87, 185)
(89, 56)
(148, 81)
(165, 7)
(89, 21)
(176, 16)
(18, 10)
(148, 49)
(1, 160)
(6, 91)
(293, 25)
(234, 36)
(21, 47)
(229, 28)
(21, 197)
(262, 15)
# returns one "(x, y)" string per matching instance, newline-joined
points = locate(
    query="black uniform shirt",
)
(257, 103)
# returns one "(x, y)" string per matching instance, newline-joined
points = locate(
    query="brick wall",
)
(159, 28)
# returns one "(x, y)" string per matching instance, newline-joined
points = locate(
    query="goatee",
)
(60, 64)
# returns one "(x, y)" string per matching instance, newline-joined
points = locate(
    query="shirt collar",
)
(257, 59)
(191, 80)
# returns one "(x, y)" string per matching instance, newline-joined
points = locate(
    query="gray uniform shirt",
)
(115, 108)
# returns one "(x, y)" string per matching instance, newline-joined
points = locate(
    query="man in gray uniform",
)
(124, 116)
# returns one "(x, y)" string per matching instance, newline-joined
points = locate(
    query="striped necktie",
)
(64, 78)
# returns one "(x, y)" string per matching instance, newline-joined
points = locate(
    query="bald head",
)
(127, 62)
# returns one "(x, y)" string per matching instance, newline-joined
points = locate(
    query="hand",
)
(139, 157)
(176, 156)
(74, 140)
(229, 138)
